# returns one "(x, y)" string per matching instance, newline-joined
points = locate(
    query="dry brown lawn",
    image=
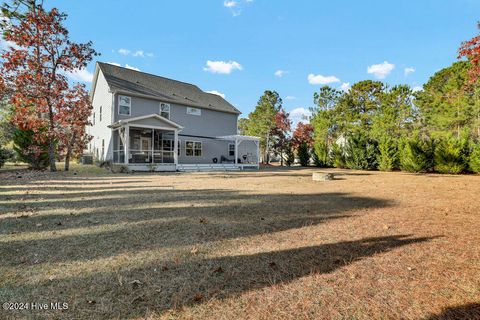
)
(268, 244)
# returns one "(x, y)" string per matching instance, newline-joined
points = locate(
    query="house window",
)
(100, 115)
(94, 118)
(231, 149)
(103, 149)
(193, 148)
(165, 110)
(194, 111)
(178, 148)
(124, 105)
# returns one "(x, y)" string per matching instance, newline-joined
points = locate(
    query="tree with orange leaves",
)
(471, 50)
(33, 75)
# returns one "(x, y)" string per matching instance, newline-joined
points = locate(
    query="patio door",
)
(146, 148)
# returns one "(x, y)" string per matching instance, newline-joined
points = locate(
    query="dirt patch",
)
(255, 244)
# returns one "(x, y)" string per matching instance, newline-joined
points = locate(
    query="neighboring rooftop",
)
(168, 90)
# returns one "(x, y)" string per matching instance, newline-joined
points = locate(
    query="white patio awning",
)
(238, 137)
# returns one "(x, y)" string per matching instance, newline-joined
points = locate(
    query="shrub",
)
(290, 156)
(474, 162)
(361, 153)
(320, 154)
(35, 154)
(451, 156)
(337, 156)
(417, 155)
(387, 157)
(119, 168)
(5, 155)
(303, 154)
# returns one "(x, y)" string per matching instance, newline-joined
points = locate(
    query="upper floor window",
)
(100, 115)
(93, 118)
(124, 105)
(194, 111)
(165, 110)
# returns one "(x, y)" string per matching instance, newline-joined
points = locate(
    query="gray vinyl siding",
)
(100, 131)
(209, 124)
(212, 148)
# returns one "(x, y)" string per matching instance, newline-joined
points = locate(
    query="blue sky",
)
(241, 48)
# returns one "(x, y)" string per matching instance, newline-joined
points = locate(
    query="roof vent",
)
(185, 98)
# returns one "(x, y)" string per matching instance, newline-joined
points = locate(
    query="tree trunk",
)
(69, 153)
(67, 159)
(51, 156)
(281, 157)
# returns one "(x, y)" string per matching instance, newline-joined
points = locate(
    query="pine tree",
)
(387, 157)
(451, 155)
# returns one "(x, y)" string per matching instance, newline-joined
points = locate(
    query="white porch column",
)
(175, 148)
(257, 143)
(153, 145)
(236, 151)
(127, 143)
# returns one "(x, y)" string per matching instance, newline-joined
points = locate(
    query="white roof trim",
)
(238, 137)
(153, 115)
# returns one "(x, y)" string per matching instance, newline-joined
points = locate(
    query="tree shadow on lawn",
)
(287, 172)
(159, 226)
(165, 285)
(464, 312)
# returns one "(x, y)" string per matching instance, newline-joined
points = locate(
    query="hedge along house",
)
(150, 123)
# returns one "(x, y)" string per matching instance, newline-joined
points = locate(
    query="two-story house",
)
(146, 121)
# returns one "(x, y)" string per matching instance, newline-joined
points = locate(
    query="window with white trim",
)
(100, 115)
(193, 148)
(124, 105)
(93, 118)
(231, 149)
(165, 110)
(194, 111)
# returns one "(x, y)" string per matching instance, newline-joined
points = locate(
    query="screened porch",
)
(145, 146)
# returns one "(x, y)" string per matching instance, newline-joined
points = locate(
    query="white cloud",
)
(235, 6)
(124, 52)
(417, 88)
(115, 64)
(319, 79)
(230, 3)
(299, 115)
(222, 66)
(409, 70)
(290, 98)
(345, 86)
(139, 53)
(136, 53)
(82, 75)
(280, 73)
(217, 93)
(5, 45)
(380, 71)
(131, 68)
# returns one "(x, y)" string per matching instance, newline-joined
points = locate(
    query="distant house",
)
(146, 121)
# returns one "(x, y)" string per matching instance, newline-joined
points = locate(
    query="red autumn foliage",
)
(471, 50)
(33, 78)
(280, 132)
(303, 134)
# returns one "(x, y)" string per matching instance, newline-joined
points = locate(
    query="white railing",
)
(144, 156)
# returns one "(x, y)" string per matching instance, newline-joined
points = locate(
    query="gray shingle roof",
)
(168, 90)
